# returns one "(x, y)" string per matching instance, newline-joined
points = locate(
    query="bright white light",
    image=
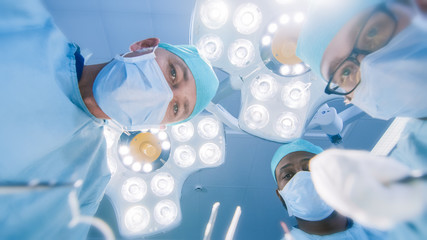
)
(134, 189)
(284, 19)
(154, 130)
(162, 184)
(241, 53)
(214, 14)
(183, 132)
(162, 135)
(210, 46)
(266, 40)
(210, 153)
(296, 95)
(123, 150)
(137, 166)
(272, 28)
(137, 218)
(166, 145)
(284, 1)
(147, 167)
(287, 125)
(165, 212)
(247, 18)
(263, 87)
(208, 128)
(256, 116)
(184, 156)
(298, 69)
(285, 70)
(127, 160)
(299, 17)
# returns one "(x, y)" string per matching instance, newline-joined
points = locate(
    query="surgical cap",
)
(325, 19)
(295, 146)
(204, 76)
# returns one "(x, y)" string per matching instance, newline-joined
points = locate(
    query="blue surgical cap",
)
(205, 77)
(325, 19)
(295, 146)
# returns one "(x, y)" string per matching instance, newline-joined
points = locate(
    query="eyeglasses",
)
(377, 31)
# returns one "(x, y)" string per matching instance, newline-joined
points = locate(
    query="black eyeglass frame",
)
(356, 52)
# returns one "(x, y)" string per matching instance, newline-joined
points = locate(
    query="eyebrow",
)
(184, 69)
(285, 166)
(186, 107)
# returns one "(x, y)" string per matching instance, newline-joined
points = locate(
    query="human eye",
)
(287, 176)
(175, 108)
(377, 32)
(345, 73)
(172, 72)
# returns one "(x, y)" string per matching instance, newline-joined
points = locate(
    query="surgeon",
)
(53, 110)
(371, 51)
(316, 219)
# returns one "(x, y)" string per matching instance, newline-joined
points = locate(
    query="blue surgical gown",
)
(353, 232)
(46, 132)
(412, 151)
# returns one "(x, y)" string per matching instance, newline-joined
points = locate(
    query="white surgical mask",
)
(133, 91)
(394, 78)
(302, 199)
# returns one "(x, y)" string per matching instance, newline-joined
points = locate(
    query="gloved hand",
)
(362, 186)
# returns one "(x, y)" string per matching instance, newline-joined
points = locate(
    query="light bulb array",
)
(145, 196)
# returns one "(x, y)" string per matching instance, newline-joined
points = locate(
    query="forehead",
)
(294, 158)
(342, 44)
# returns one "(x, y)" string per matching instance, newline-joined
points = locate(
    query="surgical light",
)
(210, 153)
(162, 184)
(256, 116)
(266, 40)
(296, 95)
(299, 17)
(272, 28)
(208, 128)
(287, 125)
(210, 46)
(165, 212)
(263, 87)
(151, 166)
(147, 167)
(214, 14)
(284, 19)
(241, 53)
(134, 189)
(127, 160)
(137, 218)
(247, 18)
(166, 145)
(284, 1)
(183, 132)
(137, 166)
(184, 156)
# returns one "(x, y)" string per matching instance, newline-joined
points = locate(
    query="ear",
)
(149, 42)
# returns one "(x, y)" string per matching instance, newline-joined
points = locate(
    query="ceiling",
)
(108, 27)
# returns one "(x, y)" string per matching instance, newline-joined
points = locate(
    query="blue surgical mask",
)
(133, 91)
(302, 199)
(394, 78)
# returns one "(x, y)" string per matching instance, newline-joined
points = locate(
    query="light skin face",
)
(176, 72)
(343, 43)
(179, 78)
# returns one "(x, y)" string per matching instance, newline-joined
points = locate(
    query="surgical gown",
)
(46, 132)
(412, 151)
(353, 232)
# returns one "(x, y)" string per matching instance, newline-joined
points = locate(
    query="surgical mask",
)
(394, 78)
(133, 91)
(302, 200)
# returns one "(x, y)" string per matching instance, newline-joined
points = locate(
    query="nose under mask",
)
(133, 91)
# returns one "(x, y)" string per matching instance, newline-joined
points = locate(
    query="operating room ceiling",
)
(108, 27)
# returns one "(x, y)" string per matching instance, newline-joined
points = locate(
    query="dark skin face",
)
(290, 165)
